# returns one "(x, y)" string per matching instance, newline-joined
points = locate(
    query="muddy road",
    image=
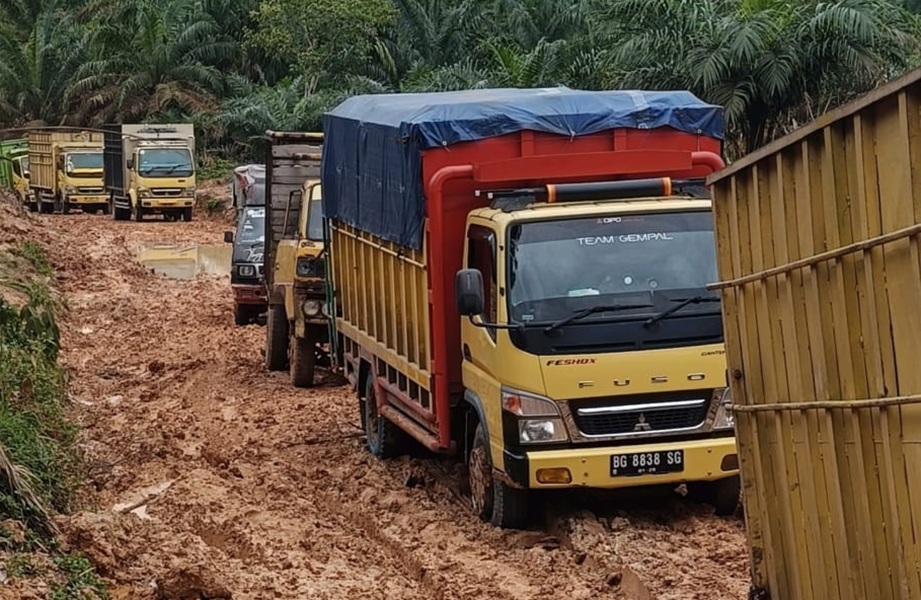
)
(211, 478)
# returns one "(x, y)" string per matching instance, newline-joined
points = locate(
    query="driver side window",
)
(481, 254)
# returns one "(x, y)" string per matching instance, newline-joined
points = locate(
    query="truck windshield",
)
(21, 165)
(557, 267)
(165, 162)
(315, 220)
(252, 226)
(83, 160)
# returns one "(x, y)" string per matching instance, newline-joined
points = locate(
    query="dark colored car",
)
(246, 276)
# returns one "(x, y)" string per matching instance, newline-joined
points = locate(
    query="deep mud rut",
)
(211, 478)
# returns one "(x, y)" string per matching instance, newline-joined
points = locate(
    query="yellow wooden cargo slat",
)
(381, 317)
(818, 239)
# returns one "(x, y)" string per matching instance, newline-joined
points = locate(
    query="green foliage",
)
(236, 68)
(324, 39)
(36, 438)
(40, 466)
(35, 255)
(81, 580)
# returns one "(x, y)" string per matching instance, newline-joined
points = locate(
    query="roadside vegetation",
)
(40, 467)
(239, 67)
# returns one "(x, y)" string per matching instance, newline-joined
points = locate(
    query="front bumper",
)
(704, 460)
(249, 294)
(83, 200)
(167, 202)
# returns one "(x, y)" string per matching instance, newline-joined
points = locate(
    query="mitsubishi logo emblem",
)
(641, 424)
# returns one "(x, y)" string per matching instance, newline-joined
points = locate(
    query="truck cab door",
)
(480, 349)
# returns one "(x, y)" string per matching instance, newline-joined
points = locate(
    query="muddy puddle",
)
(185, 261)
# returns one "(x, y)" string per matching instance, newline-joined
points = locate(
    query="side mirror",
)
(468, 287)
(228, 237)
(130, 164)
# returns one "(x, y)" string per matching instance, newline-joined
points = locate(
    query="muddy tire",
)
(46, 208)
(33, 206)
(492, 500)
(302, 360)
(186, 215)
(138, 213)
(383, 438)
(276, 338)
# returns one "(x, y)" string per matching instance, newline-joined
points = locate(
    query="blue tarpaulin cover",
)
(372, 163)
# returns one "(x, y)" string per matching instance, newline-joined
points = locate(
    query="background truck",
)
(14, 169)
(247, 279)
(247, 187)
(66, 170)
(818, 238)
(150, 169)
(297, 325)
(520, 279)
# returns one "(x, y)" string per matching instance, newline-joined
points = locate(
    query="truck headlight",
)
(312, 307)
(143, 192)
(70, 190)
(246, 270)
(539, 418)
(724, 418)
(308, 266)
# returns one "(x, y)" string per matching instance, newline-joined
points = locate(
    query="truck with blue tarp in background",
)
(517, 278)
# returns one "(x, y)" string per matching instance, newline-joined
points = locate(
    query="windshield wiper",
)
(682, 302)
(581, 314)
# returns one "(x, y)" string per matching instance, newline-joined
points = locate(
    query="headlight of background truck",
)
(539, 420)
(246, 270)
(312, 307)
(308, 266)
(724, 418)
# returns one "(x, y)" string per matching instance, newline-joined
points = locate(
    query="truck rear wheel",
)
(276, 338)
(383, 438)
(494, 501)
(303, 359)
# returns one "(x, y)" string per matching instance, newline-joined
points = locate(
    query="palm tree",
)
(151, 59)
(35, 72)
(769, 62)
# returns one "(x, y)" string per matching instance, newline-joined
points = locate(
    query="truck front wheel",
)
(494, 501)
(276, 338)
(303, 358)
(723, 494)
(186, 214)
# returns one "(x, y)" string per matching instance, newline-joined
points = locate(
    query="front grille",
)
(89, 190)
(161, 192)
(641, 418)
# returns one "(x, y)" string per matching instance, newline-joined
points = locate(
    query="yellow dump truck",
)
(297, 325)
(150, 169)
(519, 280)
(66, 170)
(818, 238)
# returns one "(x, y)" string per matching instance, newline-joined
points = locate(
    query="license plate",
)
(647, 463)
